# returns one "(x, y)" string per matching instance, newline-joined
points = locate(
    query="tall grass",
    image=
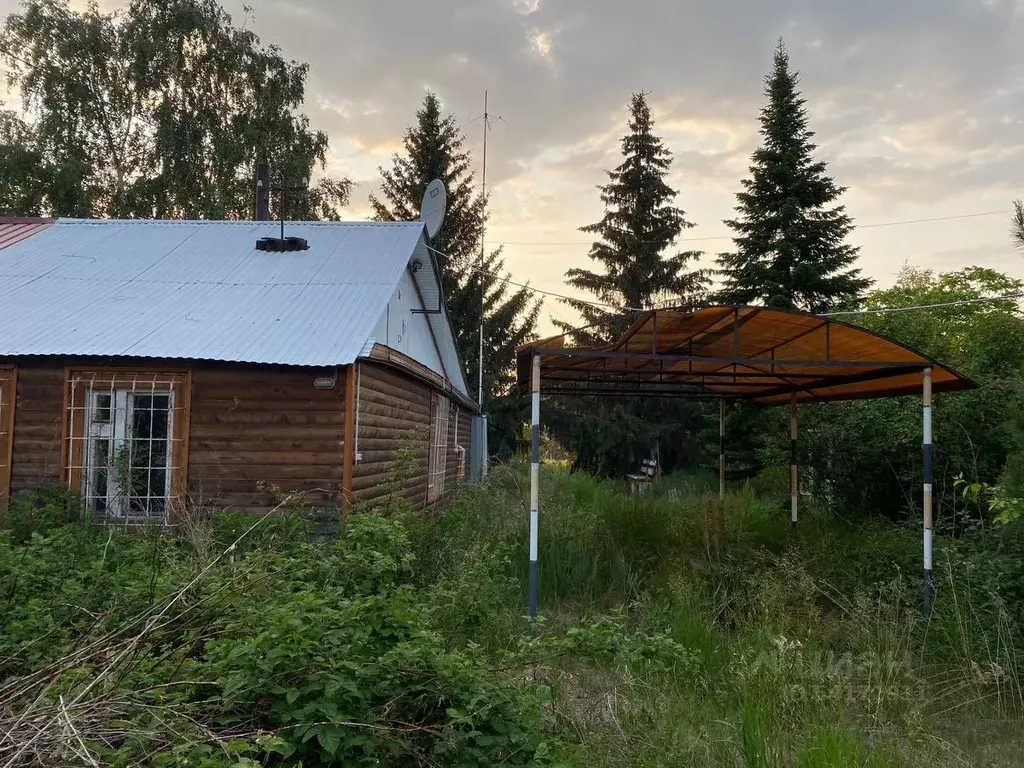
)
(810, 653)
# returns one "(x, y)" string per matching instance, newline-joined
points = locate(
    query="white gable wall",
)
(408, 332)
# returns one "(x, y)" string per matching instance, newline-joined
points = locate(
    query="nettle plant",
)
(1006, 507)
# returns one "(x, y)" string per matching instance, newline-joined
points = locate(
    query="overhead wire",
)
(937, 305)
(875, 225)
(529, 287)
(845, 313)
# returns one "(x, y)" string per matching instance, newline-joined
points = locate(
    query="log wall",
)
(394, 413)
(253, 428)
(459, 426)
(38, 427)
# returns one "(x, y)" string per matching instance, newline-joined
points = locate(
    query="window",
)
(126, 434)
(8, 394)
(437, 459)
(460, 451)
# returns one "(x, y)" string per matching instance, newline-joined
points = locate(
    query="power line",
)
(958, 303)
(875, 225)
(849, 313)
(529, 287)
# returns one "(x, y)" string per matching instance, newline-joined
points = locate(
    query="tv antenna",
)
(486, 117)
(276, 184)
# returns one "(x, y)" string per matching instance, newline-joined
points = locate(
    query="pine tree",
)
(435, 149)
(790, 246)
(639, 225)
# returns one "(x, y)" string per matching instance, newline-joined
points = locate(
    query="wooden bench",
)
(641, 481)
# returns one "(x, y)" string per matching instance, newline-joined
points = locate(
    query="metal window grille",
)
(438, 449)
(461, 466)
(123, 448)
(460, 452)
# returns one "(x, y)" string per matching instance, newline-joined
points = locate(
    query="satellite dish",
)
(435, 200)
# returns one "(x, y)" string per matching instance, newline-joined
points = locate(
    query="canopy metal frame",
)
(715, 363)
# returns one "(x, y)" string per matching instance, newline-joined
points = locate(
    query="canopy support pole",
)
(721, 450)
(534, 486)
(794, 495)
(929, 593)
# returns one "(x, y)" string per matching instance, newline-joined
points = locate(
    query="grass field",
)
(669, 636)
(808, 653)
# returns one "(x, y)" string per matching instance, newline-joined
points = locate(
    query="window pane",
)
(98, 486)
(149, 452)
(101, 407)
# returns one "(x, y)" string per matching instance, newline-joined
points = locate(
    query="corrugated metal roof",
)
(13, 230)
(200, 290)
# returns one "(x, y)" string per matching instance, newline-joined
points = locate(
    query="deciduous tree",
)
(160, 109)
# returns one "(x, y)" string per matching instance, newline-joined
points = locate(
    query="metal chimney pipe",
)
(262, 192)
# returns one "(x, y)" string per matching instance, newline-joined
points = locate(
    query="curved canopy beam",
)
(760, 355)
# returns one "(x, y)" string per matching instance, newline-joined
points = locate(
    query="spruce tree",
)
(1018, 223)
(609, 436)
(791, 249)
(435, 149)
(639, 226)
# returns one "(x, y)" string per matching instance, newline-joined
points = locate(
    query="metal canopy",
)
(760, 355)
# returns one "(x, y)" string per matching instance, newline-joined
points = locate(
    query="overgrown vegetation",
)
(669, 637)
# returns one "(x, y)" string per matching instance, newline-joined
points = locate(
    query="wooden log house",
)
(162, 366)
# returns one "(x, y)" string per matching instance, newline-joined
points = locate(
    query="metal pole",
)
(793, 488)
(721, 449)
(929, 592)
(480, 276)
(534, 487)
(480, 272)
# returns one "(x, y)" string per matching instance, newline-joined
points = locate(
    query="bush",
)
(315, 651)
(42, 510)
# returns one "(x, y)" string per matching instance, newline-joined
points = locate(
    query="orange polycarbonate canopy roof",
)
(755, 354)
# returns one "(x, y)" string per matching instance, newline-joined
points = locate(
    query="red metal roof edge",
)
(14, 229)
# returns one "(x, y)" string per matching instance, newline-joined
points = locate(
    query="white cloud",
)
(917, 104)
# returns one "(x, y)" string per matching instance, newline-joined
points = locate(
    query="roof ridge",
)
(212, 222)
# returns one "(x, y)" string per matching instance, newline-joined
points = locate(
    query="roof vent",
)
(280, 244)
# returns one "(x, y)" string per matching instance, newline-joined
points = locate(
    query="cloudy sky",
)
(918, 106)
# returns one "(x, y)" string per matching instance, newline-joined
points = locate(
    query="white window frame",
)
(115, 431)
(437, 458)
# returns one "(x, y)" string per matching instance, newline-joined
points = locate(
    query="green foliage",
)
(41, 510)
(159, 110)
(975, 433)
(435, 149)
(790, 246)
(403, 641)
(609, 437)
(319, 652)
(658, 652)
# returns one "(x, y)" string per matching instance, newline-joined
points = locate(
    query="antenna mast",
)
(480, 266)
